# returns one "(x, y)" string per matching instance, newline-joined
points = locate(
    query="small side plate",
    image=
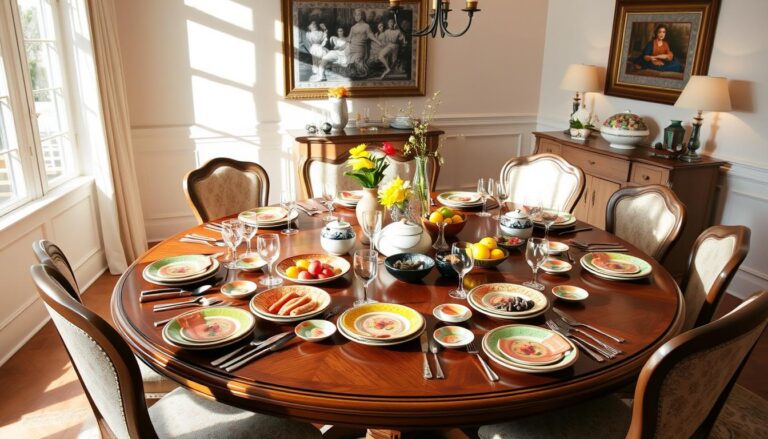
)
(570, 293)
(555, 266)
(452, 313)
(453, 336)
(238, 289)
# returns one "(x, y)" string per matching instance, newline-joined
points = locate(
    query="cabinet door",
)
(581, 210)
(601, 193)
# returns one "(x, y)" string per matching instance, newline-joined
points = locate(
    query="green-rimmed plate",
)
(644, 268)
(234, 325)
(484, 297)
(555, 266)
(460, 199)
(503, 334)
(272, 216)
(172, 269)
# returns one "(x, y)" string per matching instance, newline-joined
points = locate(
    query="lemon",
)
(488, 242)
(292, 272)
(480, 251)
(302, 263)
(497, 254)
(456, 219)
(436, 217)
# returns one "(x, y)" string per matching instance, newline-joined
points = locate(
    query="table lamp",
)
(702, 93)
(581, 79)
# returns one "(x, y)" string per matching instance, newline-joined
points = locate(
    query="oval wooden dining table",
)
(345, 383)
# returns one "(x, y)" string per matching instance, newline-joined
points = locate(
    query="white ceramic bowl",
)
(623, 139)
(556, 247)
(239, 289)
(570, 293)
(453, 336)
(315, 330)
(452, 313)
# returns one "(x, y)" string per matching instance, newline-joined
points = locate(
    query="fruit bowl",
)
(490, 263)
(408, 275)
(338, 266)
(452, 229)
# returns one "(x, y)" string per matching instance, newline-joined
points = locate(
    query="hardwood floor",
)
(40, 396)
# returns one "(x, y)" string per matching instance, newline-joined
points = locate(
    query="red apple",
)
(322, 276)
(315, 267)
(306, 275)
(328, 267)
(327, 272)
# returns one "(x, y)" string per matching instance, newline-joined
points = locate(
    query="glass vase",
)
(420, 185)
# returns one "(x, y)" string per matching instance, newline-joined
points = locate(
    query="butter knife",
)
(264, 351)
(424, 338)
(266, 344)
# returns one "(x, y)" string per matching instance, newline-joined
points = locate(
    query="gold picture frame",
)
(657, 46)
(356, 44)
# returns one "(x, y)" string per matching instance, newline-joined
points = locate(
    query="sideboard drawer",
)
(598, 164)
(644, 174)
(550, 147)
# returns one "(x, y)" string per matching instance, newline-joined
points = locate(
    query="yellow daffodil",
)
(361, 163)
(359, 151)
(396, 192)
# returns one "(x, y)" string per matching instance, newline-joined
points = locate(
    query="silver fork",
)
(605, 346)
(438, 370)
(569, 320)
(472, 349)
(595, 356)
(567, 332)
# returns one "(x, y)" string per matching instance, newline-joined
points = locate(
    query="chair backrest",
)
(51, 255)
(684, 385)
(650, 217)
(318, 171)
(225, 186)
(103, 361)
(716, 256)
(545, 177)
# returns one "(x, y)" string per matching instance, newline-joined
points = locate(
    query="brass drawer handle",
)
(591, 162)
(646, 178)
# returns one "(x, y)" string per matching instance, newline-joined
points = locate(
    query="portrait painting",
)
(361, 45)
(656, 48)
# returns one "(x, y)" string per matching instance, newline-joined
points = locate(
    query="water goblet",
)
(548, 217)
(288, 202)
(232, 235)
(462, 261)
(249, 231)
(536, 252)
(501, 195)
(366, 266)
(483, 191)
(268, 246)
(329, 195)
(372, 220)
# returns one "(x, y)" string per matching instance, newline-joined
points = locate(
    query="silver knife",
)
(570, 320)
(264, 351)
(267, 343)
(424, 349)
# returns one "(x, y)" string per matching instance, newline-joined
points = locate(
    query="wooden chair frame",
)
(670, 200)
(47, 252)
(130, 389)
(201, 213)
(716, 291)
(563, 164)
(648, 391)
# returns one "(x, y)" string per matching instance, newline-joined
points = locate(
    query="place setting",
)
(616, 266)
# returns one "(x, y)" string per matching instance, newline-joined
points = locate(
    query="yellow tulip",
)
(359, 151)
(361, 163)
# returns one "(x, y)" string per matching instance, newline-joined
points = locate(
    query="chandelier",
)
(439, 17)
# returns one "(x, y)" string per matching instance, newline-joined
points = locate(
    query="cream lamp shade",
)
(580, 77)
(705, 93)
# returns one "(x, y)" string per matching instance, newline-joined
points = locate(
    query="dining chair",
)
(49, 254)
(680, 393)
(545, 177)
(650, 217)
(110, 377)
(716, 256)
(225, 186)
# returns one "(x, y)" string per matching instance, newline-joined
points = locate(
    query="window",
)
(37, 143)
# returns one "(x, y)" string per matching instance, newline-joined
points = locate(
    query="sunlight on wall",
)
(221, 106)
(221, 54)
(228, 11)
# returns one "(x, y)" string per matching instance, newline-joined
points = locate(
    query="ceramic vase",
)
(338, 113)
(369, 202)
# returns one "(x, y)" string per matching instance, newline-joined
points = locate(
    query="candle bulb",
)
(472, 4)
(434, 4)
(394, 3)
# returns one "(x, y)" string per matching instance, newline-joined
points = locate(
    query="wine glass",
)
(329, 195)
(288, 202)
(536, 252)
(462, 260)
(483, 191)
(500, 192)
(366, 267)
(372, 220)
(268, 246)
(232, 234)
(249, 231)
(548, 217)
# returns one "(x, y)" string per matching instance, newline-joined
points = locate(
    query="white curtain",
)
(122, 219)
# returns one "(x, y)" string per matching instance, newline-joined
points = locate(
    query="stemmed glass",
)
(268, 246)
(536, 252)
(372, 220)
(329, 194)
(249, 231)
(366, 267)
(548, 217)
(462, 261)
(500, 192)
(288, 202)
(441, 243)
(483, 191)
(232, 234)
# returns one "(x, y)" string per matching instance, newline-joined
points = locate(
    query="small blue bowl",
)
(445, 267)
(409, 275)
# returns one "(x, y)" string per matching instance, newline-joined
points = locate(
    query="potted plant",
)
(581, 123)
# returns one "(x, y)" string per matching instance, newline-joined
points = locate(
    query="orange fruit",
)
(457, 219)
(448, 221)
(497, 254)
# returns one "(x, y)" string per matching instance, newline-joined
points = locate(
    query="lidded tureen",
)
(624, 130)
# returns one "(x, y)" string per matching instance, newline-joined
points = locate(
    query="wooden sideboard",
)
(608, 169)
(334, 148)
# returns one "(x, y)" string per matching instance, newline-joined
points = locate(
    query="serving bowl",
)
(624, 130)
(409, 275)
(452, 229)
(444, 266)
(490, 263)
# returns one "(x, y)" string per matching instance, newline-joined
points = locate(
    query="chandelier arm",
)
(444, 28)
(431, 29)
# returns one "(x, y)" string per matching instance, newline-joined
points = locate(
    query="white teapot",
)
(403, 237)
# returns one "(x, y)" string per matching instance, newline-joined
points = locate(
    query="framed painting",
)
(656, 47)
(358, 44)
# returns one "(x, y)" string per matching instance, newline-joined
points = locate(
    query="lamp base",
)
(690, 157)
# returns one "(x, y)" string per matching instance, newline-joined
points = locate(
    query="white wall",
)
(579, 34)
(205, 79)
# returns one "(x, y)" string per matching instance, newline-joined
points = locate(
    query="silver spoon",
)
(200, 301)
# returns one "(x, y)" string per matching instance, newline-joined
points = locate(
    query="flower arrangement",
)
(395, 194)
(583, 119)
(417, 142)
(338, 92)
(368, 169)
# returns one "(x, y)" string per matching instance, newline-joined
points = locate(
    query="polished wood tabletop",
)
(341, 382)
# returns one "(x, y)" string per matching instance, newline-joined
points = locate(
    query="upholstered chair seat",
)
(680, 393)
(650, 217)
(225, 186)
(546, 178)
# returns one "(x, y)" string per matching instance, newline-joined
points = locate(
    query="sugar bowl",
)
(337, 238)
